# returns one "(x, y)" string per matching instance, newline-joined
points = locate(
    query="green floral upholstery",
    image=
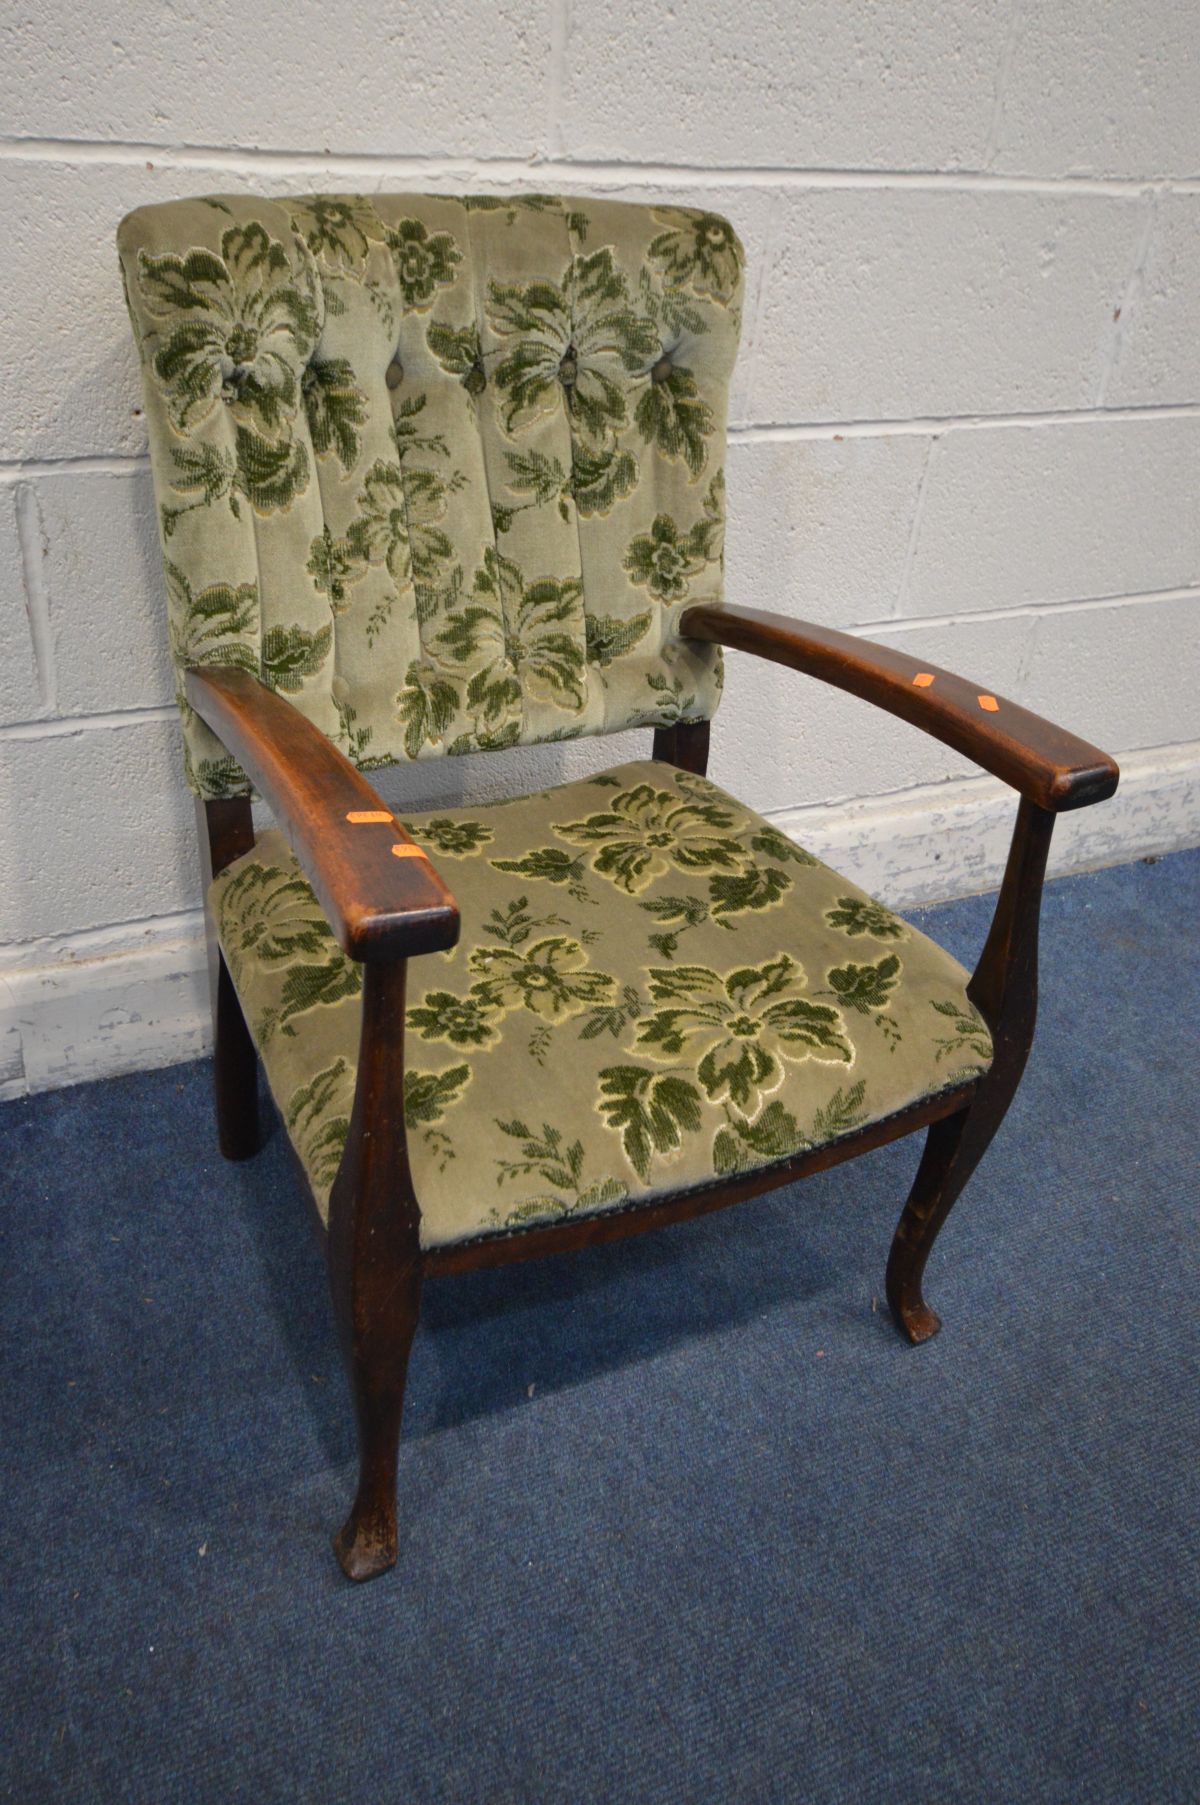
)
(654, 987)
(443, 471)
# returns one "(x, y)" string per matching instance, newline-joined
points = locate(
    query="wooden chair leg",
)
(684, 745)
(235, 1072)
(951, 1155)
(226, 830)
(375, 1270)
(1003, 988)
(366, 1543)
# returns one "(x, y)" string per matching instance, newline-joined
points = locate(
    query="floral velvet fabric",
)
(443, 471)
(654, 987)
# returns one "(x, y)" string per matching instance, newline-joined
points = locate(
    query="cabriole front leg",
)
(953, 1148)
(366, 1543)
(1004, 990)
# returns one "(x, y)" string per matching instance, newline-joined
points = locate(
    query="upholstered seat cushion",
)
(653, 987)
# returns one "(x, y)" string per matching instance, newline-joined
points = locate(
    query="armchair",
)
(437, 476)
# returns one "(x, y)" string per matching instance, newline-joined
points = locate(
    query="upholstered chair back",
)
(442, 471)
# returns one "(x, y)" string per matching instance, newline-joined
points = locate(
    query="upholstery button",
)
(475, 380)
(395, 373)
(662, 369)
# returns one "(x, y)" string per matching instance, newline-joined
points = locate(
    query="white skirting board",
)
(130, 998)
(932, 844)
(97, 1005)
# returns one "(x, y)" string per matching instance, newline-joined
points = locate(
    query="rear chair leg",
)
(226, 830)
(235, 1072)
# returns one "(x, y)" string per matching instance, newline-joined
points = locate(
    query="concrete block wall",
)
(966, 417)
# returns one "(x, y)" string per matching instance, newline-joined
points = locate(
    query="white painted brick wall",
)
(455, 79)
(892, 303)
(1159, 360)
(966, 416)
(826, 84)
(91, 831)
(103, 578)
(20, 693)
(1022, 515)
(1091, 91)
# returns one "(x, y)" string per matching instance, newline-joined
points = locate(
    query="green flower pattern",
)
(232, 330)
(739, 1028)
(608, 1027)
(455, 839)
(339, 229)
(212, 627)
(424, 261)
(560, 1165)
(463, 1021)
(858, 915)
(495, 427)
(318, 1120)
(568, 344)
(665, 559)
(336, 409)
(646, 830)
(549, 978)
(269, 919)
(697, 251)
(661, 562)
(444, 471)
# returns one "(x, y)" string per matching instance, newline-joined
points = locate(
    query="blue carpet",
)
(684, 1520)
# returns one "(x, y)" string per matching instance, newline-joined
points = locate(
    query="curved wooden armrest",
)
(383, 897)
(1045, 763)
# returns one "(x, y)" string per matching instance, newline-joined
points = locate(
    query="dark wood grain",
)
(226, 830)
(685, 745)
(1004, 990)
(379, 905)
(1048, 765)
(375, 1269)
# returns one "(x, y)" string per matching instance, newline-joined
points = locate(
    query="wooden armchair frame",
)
(384, 908)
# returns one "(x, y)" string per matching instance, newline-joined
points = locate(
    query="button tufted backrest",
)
(442, 471)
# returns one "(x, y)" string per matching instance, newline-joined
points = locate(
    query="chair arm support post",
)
(374, 1218)
(381, 893)
(375, 1267)
(1050, 766)
(1052, 770)
(1004, 984)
